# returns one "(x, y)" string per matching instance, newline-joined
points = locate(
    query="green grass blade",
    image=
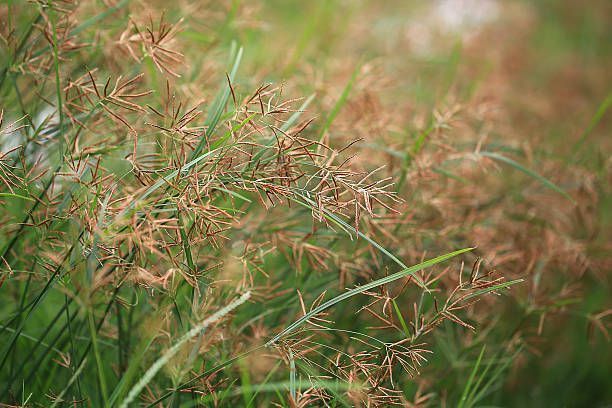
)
(481, 377)
(216, 110)
(418, 143)
(494, 288)
(468, 385)
(60, 107)
(186, 246)
(496, 374)
(233, 194)
(99, 364)
(74, 377)
(35, 305)
(296, 115)
(292, 372)
(603, 108)
(401, 318)
(451, 175)
(121, 387)
(387, 279)
(339, 103)
(16, 196)
(527, 171)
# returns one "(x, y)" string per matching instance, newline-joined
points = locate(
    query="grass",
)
(264, 203)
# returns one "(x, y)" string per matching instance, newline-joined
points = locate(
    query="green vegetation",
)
(305, 203)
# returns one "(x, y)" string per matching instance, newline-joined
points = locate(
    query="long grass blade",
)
(60, 108)
(73, 378)
(468, 385)
(603, 108)
(121, 387)
(527, 171)
(383, 281)
(339, 103)
(216, 110)
(485, 388)
(296, 115)
(494, 288)
(99, 364)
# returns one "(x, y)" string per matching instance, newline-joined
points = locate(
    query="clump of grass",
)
(177, 233)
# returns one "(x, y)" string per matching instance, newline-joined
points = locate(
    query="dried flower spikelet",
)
(156, 41)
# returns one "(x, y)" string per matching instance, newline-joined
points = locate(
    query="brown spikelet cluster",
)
(153, 41)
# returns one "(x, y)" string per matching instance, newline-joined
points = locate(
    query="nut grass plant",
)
(150, 176)
(97, 232)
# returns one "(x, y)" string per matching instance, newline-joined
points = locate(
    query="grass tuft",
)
(257, 203)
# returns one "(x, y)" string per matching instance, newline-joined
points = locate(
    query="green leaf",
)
(451, 175)
(401, 318)
(339, 103)
(296, 115)
(16, 196)
(494, 288)
(468, 385)
(472, 399)
(126, 378)
(598, 115)
(216, 110)
(527, 171)
(383, 281)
